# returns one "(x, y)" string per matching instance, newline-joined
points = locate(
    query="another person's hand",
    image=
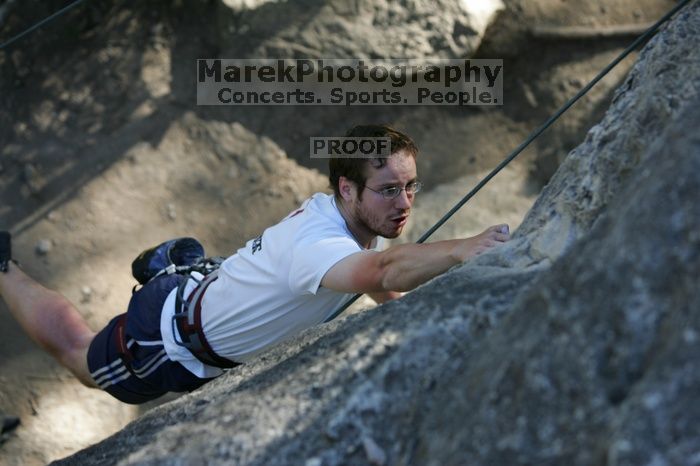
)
(492, 236)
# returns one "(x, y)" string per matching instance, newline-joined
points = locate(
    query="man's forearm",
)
(404, 267)
(408, 265)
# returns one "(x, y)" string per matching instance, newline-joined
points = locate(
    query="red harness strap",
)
(121, 343)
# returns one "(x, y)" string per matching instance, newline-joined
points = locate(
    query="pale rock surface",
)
(359, 29)
(576, 343)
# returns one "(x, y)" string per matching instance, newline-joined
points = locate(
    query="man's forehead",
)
(399, 167)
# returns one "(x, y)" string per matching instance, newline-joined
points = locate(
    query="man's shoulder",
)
(319, 209)
(315, 219)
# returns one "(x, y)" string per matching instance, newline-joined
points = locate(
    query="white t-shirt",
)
(270, 289)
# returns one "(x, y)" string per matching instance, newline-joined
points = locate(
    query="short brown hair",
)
(354, 168)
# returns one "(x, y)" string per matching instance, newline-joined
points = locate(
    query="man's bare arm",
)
(404, 267)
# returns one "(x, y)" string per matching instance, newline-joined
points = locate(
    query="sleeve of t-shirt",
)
(311, 261)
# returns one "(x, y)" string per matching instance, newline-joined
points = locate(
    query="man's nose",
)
(404, 200)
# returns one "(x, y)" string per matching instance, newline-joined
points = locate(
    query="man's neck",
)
(361, 234)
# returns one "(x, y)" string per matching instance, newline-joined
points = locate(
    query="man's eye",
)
(390, 191)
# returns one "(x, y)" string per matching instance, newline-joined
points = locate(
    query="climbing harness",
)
(187, 322)
(647, 34)
(184, 256)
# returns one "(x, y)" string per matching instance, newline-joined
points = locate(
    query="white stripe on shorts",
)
(150, 343)
(105, 368)
(115, 381)
(155, 366)
(111, 375)
(148, 364)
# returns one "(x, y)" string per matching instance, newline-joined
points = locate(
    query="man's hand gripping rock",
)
(493, 236)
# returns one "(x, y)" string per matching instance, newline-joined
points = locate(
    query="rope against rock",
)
(536, 133)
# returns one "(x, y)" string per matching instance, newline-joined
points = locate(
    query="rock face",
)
(577, 343)
(360, 29)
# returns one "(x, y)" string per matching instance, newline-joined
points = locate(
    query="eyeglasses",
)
(392, 192)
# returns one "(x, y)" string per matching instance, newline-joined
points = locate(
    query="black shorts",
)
(144, 372)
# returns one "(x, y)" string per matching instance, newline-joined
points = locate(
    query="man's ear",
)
(346, 188)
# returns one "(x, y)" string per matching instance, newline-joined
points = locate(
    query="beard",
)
(379, 224)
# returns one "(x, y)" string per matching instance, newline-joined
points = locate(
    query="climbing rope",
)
(536, 133)
(40, 23)
(644, 36)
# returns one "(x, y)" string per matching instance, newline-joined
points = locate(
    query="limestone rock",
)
(576, 343)
(593, 364)
(362, 29)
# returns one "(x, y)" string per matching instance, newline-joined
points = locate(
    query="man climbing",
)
(183, 329)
